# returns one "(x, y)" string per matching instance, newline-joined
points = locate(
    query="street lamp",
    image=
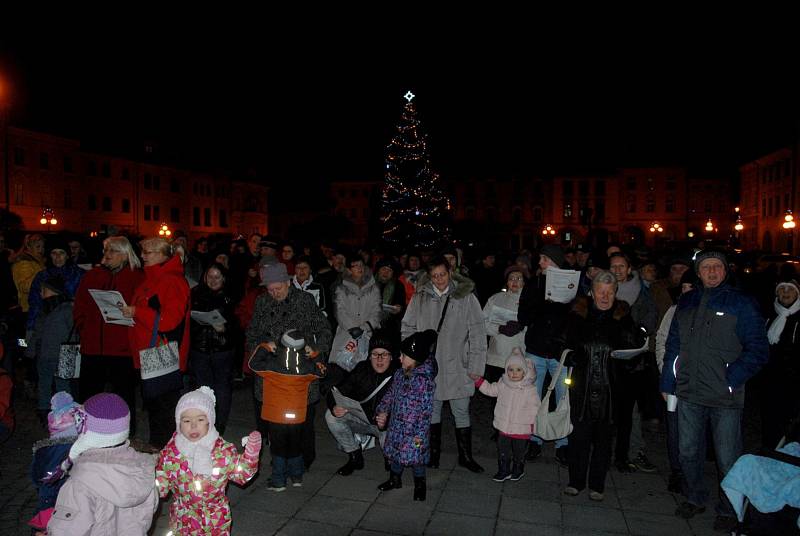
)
(164, 231)
(656, 228)
(739, 225)
(788, 220)
(548, 230)
(709, 225)
(48, 217)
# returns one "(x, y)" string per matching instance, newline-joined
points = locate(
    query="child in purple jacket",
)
(408, 406)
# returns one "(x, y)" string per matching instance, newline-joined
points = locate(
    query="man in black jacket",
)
(366, 384)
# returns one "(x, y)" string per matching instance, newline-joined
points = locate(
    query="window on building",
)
(174, 214)
(126, 206)
(787, 168)
(148, 213)
(67, 198)
(650, 203)
(67, 164)
(600, 188)
(196, 216)
(709, 205)
(671, 184)
(786, 202)
(353, 212)
(583, 188)
(222, 191)
(537, 214)
(106, 170)
(148, 181)
(516, 216)
(366, 192)
(669, 203)
(568, 188)
(763, 208)
(92, 202)
(631, 183)
(106, 204)
(19, 194)
(208, 190)
(44, 160)
(223, 217)
(207, 217)
(630, 204)
(568, 210)
(194, 188)
(126, 174)
(651, 184)
(342, 193)
(156, 182)
(91, 168)
(156, 212)
(599, 210)
(19, 156)
(174, 186)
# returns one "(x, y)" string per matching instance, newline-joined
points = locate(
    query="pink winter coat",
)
(109, 492)
(517, 402)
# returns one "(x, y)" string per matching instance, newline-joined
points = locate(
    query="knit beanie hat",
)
(709, 254)
(420, 345)
(65, 418)
(689, 278)
(293, 339)
(274, 273)
(790, 283)
(555, 253)
(106, 423)
(202, 399)
(382, 339)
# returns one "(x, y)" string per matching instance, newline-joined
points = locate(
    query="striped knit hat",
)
(107, 423)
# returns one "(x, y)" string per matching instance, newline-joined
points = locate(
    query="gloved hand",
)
(253, 446)
(510, 328)
(355, 332)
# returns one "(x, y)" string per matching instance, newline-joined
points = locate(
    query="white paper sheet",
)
(208, 318)
(561, 285)
(354, 409)
(110, 303)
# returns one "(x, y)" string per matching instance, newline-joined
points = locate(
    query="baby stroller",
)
(764, 489)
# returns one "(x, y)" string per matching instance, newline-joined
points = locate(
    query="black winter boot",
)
(355, 462)
(517, 471)
(436, 445)
(420, 488)
(503, 472)
(395, 482)
(464, 444)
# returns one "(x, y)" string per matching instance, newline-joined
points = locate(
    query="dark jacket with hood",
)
(543, 318)
(716, 342)
(205, 338)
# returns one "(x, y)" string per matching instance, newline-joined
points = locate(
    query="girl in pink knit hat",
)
(196, 465)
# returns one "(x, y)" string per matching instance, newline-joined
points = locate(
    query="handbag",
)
(160, 365)
(353, 353)
(556, 424)
(69, 358)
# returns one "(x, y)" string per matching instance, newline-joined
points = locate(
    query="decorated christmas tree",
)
(415, 210)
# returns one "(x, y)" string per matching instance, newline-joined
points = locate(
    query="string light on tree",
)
(415, 210)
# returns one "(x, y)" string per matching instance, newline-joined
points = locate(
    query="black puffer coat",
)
(204, 338)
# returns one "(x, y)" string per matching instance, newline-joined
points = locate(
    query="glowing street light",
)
(656, 228)
(739, 225)
(548, 230)
(48, 217)
(164, 230)
(709, 225)
(788, 220)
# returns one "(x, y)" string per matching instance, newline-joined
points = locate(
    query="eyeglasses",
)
(380, 355)
(515, 278)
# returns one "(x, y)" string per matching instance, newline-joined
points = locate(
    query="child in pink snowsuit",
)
(514, 415)
(196, 465)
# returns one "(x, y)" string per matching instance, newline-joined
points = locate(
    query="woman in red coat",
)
(165, 291)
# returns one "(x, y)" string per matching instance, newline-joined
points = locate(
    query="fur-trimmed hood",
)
(582, 305)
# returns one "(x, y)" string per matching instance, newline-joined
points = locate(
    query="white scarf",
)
(776, 328)
(198, 452)
(628, 291)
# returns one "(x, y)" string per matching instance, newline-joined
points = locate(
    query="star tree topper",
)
(409, 96)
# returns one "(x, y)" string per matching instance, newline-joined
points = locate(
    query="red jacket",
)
(244, 312)
(98, 337)
(168, 283)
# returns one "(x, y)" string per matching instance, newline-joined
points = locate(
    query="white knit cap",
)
(790, 283)
(202, 399)
(293, 339)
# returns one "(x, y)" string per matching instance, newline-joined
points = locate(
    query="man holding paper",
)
(363, 386)
(105, 351)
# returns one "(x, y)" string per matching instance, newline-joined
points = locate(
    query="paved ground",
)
(458, 502)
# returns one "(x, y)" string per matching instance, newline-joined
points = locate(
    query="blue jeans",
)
(542, 366)
(726, 432)
(214, 370)
(418, 470)
(286, 467)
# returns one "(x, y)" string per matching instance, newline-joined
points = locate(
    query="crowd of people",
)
(386, 338)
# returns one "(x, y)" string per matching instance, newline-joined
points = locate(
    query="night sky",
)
(328, 116)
